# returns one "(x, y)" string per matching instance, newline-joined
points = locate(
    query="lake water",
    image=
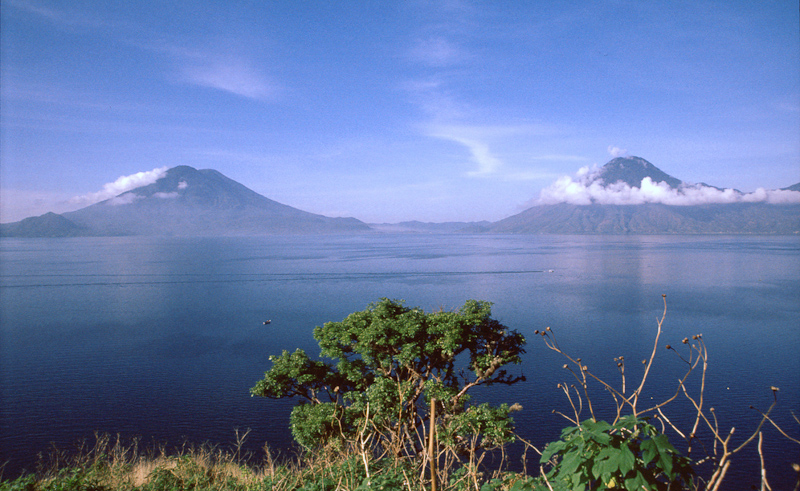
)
(161, 338)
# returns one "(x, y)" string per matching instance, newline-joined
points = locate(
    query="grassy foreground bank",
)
(112, 465)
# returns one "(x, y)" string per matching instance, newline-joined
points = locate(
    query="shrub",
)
(630, 454)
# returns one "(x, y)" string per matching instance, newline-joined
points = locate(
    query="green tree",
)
(385, 365)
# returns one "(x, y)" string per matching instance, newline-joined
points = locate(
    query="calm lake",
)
(161, 338)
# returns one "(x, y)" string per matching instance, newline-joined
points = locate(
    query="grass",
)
(109, 464)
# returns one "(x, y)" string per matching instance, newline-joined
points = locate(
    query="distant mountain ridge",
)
(650, 219)
(417, 227)
(191, 202)
(598, 205)
(48, 225)
(185, 202)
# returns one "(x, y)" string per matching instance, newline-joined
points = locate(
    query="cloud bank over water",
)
(587, 187)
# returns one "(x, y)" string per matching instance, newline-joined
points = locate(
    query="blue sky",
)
(390, 111)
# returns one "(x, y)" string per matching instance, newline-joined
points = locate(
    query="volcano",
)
(184, 202)
(629, 195)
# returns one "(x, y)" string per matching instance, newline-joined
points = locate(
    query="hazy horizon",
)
(415, 110)
(583, 188)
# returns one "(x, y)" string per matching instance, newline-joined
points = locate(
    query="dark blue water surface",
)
(161, 338)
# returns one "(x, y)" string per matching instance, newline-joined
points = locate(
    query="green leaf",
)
(551, 449)
(597, 431)
(596, 426)
(663, 443)
(605, 463)
(637, 483)
(625, 459)
(570, 463)
(578, 483)
(649, 451)
(666, 454)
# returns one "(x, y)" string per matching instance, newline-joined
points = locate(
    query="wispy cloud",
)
(788, 106)
(481, 155)
(586, 188)
(486, 142)
(432, 96)
(122, 184)
(616, 151)
(34, 8)
(436, 51)
(162, 195)
(123, 199)
(231, 68)
(445, 49)
(478, 148)
(235, 75)
(226, 70)
(63, 18)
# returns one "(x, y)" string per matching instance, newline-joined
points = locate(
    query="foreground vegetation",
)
(392, 410)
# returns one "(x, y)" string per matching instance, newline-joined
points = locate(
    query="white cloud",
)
(50, 14)
(585, 189)
(123, 199)
(789, 106)
(229, 74)
(162, 195)
(479, 140)
(64, 17)
(617, 152)
(481, 155)
(173, 194)
(478, 148)
(433, 98)
(121, 185)
(230, 69)
(436, 51)
(773, 196)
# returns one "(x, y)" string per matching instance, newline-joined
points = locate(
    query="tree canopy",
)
(383, 366)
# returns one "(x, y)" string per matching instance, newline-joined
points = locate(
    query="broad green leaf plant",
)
(631, 454)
